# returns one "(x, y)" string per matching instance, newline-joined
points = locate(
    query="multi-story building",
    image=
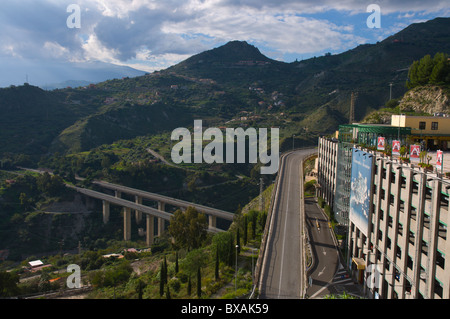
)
(397, 217)
(405, 246)
(326, 168)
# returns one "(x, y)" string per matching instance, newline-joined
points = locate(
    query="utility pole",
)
(352, 107)
(390, 91)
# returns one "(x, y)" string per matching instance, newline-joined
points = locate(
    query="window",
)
(440, 259)
(438, 288)
(402, 205)
(391, 199)
(442, 231)
(434, 125)
(398, 252)
(415, 187)
(403, 182)
(410, 262)
(422, 125)
(411, 237)
(400, 229)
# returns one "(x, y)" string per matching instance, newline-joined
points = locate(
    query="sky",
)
(152, 35)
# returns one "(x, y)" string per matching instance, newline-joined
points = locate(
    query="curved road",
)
(324, 249)
(282, 274)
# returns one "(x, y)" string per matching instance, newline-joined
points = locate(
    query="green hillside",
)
(233, 85)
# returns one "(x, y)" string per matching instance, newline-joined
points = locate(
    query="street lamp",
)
(253, 279)
(235, 272)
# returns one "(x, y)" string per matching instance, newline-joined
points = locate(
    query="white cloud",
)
(159, 33)
(55, 50)
(95, 50)
(288, 33)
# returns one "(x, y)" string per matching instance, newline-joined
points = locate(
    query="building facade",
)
(406, 247)
(326, 168)
(432, 131)
(400, 250)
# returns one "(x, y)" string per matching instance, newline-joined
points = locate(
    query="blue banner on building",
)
(360, 191)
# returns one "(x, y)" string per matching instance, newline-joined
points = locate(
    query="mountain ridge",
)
(305, 98)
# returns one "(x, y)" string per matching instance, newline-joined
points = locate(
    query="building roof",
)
(378, 128)
(35, 263)
(360, 263)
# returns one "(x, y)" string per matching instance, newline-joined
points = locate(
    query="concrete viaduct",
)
(150, 212)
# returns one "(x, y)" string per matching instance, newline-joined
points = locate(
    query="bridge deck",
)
(168, 200)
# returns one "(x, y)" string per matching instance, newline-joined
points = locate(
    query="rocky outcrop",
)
(428, 99)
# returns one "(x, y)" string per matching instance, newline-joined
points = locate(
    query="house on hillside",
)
(37, 265)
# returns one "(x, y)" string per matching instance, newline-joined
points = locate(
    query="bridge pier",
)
(150, 221)
(162, 207)
(126, 223)
(106, 211)
(212, 221)
(138, 200)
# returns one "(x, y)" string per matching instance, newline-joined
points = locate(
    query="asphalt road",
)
(282, 270)
(324, 250)
(327, 274)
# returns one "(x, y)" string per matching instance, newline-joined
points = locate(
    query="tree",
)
(424, 70)
(25, 202)
(188, 229)
(161, 280)
(189, 286)
(429, 70)
(216, 270)
(441, 69)
(195, 259)
(245, 229)
(168, 293)
(8, 284)
(199, 283)
(223, 242)
(165, 270)
(140, 288)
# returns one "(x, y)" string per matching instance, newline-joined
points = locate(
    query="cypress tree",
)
(230, 252)
(165, 270)
(161, 280)
(140, 289)
(176, 262)
(254, 216)
(199, 283)
(189, 286)
(245, 229)
(216, 272)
